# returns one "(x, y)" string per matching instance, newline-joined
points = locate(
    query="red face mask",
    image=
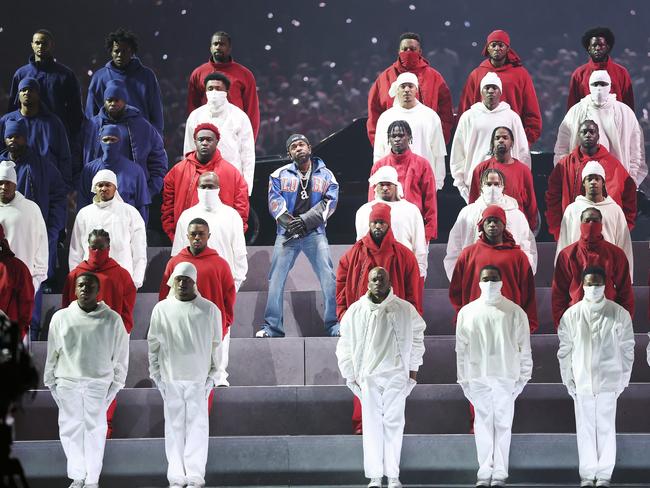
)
(98, 257)
(591, 231)
(409, 59)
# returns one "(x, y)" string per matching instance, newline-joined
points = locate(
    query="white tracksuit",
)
(596, 355)
(379, 345)
(183, 358)
(86, 365)
(494, 363)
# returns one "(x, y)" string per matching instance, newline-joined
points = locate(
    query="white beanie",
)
(182, 269)
(388, 174)
(600, 75)
(104, 175)
(491, 79)
(7, 171)
(403, 78)
(593, 168)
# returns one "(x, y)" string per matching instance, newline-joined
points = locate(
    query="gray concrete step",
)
(311, 361)
(326, 410)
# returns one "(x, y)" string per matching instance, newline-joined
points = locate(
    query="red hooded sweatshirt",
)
(214, 281)
(621, 83)
(116, 287)
(16, 287)
(432, 92)
(419, 184)
(565, 184)
(180, 189)
(590, 250)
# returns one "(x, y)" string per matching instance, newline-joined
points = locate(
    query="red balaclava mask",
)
(409, 59)
(98, 257)
(591, 232)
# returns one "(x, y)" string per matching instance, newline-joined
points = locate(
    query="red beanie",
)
(492, 211)
(207, 126)
(504, 37)
(380, 211)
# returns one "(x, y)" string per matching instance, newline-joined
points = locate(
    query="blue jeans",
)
(317, 250)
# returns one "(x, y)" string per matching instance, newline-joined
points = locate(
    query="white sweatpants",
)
(82, 426)
(596, 434)
(187, 431)
(383, 398)
(494, 407)
(224, 351)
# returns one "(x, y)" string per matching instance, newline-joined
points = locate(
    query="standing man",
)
(302, 197)
(183, 358)
(243, 91)
(596, 356)
(599, 42)
(86, 365)
(493, 364)
(518, 90)
(433, 91)
(143, 91)
(428, 140)
(180, 184)
(379, 354)
(237, 144)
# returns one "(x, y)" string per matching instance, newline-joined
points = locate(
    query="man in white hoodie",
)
(596, 355)
(86, 365)
(493, 364)
(122, 222)
(236, 143)
(379, 354)
(615, 229)
(226, 230)
(428, 138)
(183, 363)
(620, 132)
(465, 231)
(471, 144)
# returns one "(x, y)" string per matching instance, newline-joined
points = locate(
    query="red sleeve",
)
(341, 291)
(128, 301)
(475, 186)
(164, 289)
(574, 91)
(167, 206)
(240, 199)
(68, 296)
(445, 110)
(25, 298)
(531, 117)
(374, 110)
(627, 95)
(530, 205)
(553, 199)
(430, 204)
(623, 283)
(528, 302)
(560, 296)
(251, 103)
(194, 91)
(468, 95)
(412, 284)
(629, 201)
(456, 283)
(229, 297)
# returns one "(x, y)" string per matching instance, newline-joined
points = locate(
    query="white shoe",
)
(394, 483)
(602, 483)
(262, 333)
(93, 485)
(374, 483)
(497, 482)
(175, 486)
(585, 483)
(77, 484)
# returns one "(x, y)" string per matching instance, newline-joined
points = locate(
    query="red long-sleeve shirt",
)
(16, 290)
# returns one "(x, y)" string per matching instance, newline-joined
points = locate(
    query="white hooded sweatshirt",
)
(471, 144)
(465, 231)
(596, 347)
(428, 139)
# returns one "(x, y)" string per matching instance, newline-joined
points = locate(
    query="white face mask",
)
(490, 290)
(216, 99)
(599, 94)
(594, 293)
(209, 198)
(492, 194)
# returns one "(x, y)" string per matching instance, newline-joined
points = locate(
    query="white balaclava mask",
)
(208, 198)
(599, 94)
(490, 290)
(594, 293)
(216, 99)
(492, 194)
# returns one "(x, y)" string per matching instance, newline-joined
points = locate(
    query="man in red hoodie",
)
(377, 248)
(433, 91)
(243, 90)
(214, 280)
(565, 181)
(16, 287)
(591, 250)
(116, 289)
(497, 247)
(518, 90)
(599, 42)
(180, 184)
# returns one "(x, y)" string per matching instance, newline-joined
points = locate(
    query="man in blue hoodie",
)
(141, 82)
(141, 142)
(131, 179)
(46, 133)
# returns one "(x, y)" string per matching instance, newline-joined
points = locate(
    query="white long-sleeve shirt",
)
(619, 129)
(407, 226)
(615, 228)
(596, 347)
(373, 333)
(87, 345)
(183, 341)
(226, 236)
(465, 231)
(471, 144)
(236, 143)
(493, 341)
(428, 138)
(26, 233)
(126, 229)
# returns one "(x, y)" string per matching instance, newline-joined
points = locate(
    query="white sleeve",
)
(521, 150)
(565, 352)
(153, 342)
(525, 354)
(77, 243)
(41, 258)
(439, 151)
(461, 350)
(638, 168)
(454, 246)
(247, 151)
(120, 354)
(240, 265)
(215, 317)
(626, 342)
(344, 349)
(624, 240)
(524, 237)
(53, 351)
(419, 244)
(563, 142)
(361, 223)
(564, 238)
(381, 148)
(138, 247)
(648, 351)
(188, 144)
(417, 348)
(458, 158)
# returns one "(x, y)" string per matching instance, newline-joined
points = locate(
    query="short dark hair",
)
(90, 275)
(598, 32)
(121, 35)
(99, 233)
(198, 221)
(45, 32)
(490, 267)
(591, 209)
(400, 124)
(597, 270)
(410, 35)
(216, 76)
(222, 34)
(489, 171)
(512, 136)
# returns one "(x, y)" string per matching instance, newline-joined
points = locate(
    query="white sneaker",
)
(585, 483)
(602, 483)
(394, 483)
(77, 484)
(175, 485)
(374, 483)
(93, 485)
(262, 333)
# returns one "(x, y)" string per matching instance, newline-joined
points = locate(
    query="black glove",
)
(297, 227)
(285, 219)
